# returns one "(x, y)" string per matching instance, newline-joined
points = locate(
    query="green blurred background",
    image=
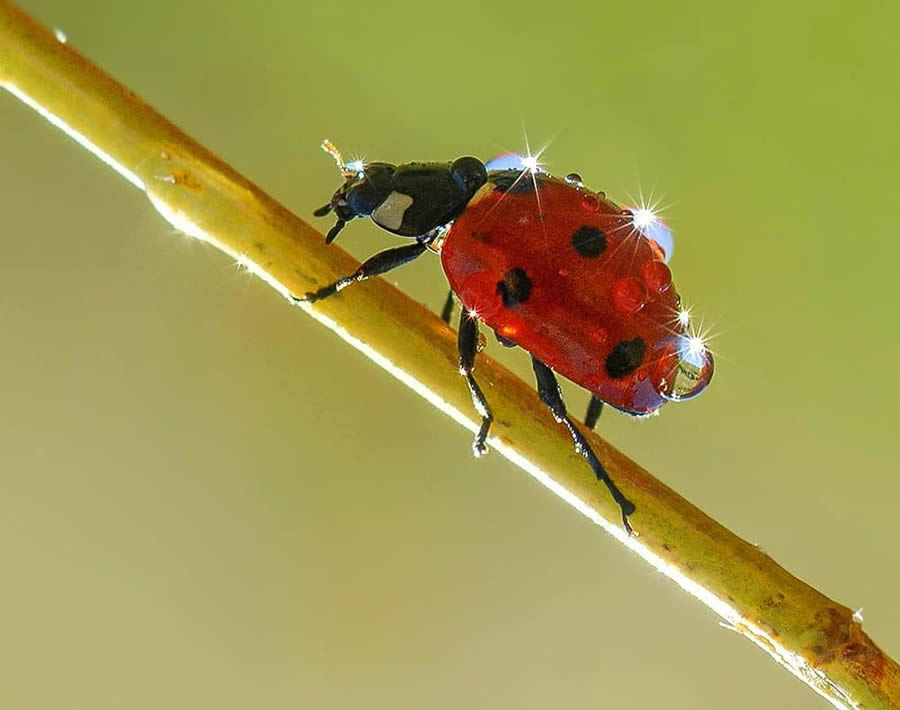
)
(207, 500)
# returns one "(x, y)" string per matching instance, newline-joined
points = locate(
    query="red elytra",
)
(565, 273)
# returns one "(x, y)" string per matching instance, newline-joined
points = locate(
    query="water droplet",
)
(505, 161)
(629, 295)
(685, 370)
(574, 179)
(657, 276)
(599, 335)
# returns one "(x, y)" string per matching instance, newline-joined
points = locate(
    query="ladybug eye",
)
(363, 198)
(686, 368)
(365, 193)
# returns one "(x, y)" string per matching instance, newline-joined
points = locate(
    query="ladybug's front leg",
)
(468, 348)
(548, 389)
(376, 265)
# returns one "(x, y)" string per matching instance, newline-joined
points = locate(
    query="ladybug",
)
(578, 281)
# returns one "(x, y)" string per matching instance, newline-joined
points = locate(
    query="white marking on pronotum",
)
(390, 212)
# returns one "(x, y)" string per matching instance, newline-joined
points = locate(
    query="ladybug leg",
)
(594, 410)
(381, 263)
(548, 389)
(468, 348)
(447, 310)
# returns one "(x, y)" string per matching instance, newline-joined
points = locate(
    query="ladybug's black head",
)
(411, 199)
(364, 189)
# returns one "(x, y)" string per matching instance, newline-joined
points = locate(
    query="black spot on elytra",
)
(589, 242)
(515, 182)
(626, 357)
(515, 288)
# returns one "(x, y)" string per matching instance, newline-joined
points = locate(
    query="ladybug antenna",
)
(349, 170)
(333, 151)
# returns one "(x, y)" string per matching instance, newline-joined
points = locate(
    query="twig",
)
(815, 638)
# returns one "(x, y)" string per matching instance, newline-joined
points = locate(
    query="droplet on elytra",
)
(629, 295)
(598, 335)
(590, 203)
(657, 276)
(684, 370)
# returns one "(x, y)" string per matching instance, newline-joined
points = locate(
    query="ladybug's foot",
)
(627, 509)
(324, 292)
(548, 388)
(479, 448)
(468, 348)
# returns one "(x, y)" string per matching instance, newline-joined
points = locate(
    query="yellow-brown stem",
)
(814, 637)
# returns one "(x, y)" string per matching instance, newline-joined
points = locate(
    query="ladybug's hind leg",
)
(468, 348)
(594, 410)
(447, 310)
(376, 265)
(548, 389)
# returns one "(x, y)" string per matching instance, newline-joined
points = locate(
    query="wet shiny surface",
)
(586, 265)
(207, 500)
